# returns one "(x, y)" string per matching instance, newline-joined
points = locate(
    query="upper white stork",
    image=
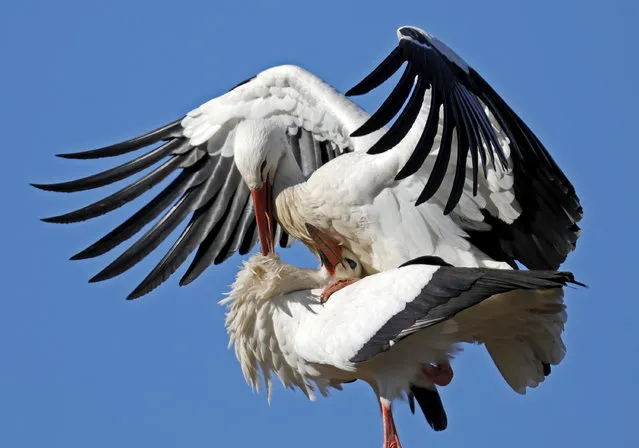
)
(465, 180)
(415, 316)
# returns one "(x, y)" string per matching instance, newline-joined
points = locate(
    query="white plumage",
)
(386, 328)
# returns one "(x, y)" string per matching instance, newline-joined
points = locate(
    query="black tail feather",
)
(431, 405)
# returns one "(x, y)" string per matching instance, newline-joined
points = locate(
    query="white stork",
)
(466, 180)
(416, 315)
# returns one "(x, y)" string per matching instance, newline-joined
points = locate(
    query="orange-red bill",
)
(263, 206)
(330, 251)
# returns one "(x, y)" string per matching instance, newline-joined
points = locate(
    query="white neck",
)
(288, 174)
(249, 320)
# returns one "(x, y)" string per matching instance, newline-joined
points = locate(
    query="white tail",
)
(522, 333)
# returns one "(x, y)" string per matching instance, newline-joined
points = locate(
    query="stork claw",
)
(335, 286)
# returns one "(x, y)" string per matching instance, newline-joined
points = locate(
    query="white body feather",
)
(277, 329)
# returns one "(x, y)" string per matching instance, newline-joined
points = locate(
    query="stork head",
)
(259, 147)
(350, 267)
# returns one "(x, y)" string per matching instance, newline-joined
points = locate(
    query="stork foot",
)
(441, 374)
(392, 441)
(335, 286)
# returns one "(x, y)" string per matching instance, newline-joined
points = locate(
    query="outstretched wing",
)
(199, 148)
(467, 125)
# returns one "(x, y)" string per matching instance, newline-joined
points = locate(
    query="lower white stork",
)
(466, 180)
(389, 329)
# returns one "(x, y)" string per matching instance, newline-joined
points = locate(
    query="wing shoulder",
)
(288, 94)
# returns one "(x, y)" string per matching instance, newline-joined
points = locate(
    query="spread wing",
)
(207, 189)
(469, 130)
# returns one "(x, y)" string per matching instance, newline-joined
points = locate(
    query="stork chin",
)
(264, 206)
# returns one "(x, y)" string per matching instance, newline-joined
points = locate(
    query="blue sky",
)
(83, 367)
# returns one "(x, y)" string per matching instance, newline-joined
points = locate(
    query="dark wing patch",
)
(550, 206)
(450, 291)
(310, 153)
(208, 188)
(428, 260)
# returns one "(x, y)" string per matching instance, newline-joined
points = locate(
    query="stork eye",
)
(351, 263)
(262, 168)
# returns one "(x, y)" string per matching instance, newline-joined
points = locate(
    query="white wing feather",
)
(335, 335)
(291, 94)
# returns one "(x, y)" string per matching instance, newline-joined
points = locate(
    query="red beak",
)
(263, 206)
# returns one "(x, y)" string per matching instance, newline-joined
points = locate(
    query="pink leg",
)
(335, 286)
(440, 374)
(391, 439)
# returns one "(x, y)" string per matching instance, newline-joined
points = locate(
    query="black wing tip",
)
(439, 425)
(377, 149)
(547, 368)
(138, 293)
(98, 153)
(97, 278)
(188, 277)
(46, 187)
(380, 74)
(569, 277)
(428, 260)
(353, 92)
(82, 255)
(372, 81)
(357, 90)
(104, 274)
(193, 271)
(359, 132)
(75, 155)
(62, 187)
(406, 171)
(450, 206)
(56, 220)
(425, 196)
(154, 136)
